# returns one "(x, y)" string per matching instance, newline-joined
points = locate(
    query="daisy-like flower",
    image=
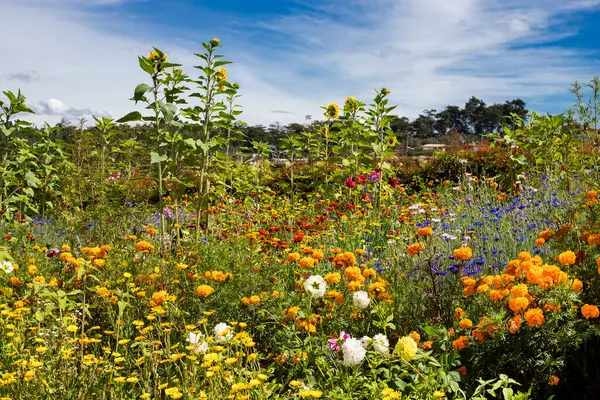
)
(223, 332)
(361, 299)
(197, 340)
(316, 286)
(353, 351)
(7, 266)
(335, 344)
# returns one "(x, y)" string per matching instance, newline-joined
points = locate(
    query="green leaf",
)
(156, 158)
(140, 91)
(132, 116)
(32, 180)
(146, 65)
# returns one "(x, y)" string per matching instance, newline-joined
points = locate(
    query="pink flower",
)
(335, 344)
(350, 183)
(374, 176)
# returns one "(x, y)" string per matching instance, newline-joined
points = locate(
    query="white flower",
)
(7, 266)
(361, 299)
(381, 344)
(316, 286)
(366, 341)
(197, 340)
(223, 332)
(353, 351)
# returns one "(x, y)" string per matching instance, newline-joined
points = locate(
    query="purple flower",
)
(168, 212)
(336, 344)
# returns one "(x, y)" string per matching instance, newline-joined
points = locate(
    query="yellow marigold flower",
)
(98, 263)
(65, 247)
(463, 253)
(293, 257)
(204, 291)
(332, 278)
(252, 300)
(406, 348)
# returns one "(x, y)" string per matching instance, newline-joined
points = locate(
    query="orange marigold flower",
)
(524, 256)
(427, 345)
(317, 254)
(577, 285)
(567, 258)
(415, 248)
(534, 317)
(293, 257)
(252, 300)
(144, 246)
(519, 291)
(307, 262)
(460, 343)
(465, 323)
(354, 274)
(540, 242)
(458, 313)
(469, 282)
(425, 232)
(369, 273)
(514, 324)
(594, 240)
(553, 380)
(354, 286)
(482, 288)
(468, 291)
(463, 253)
(204, 291)
(333, 277)
(518, 304)
(590, 311)
(547, 234)
(496, 295)
(415, 336)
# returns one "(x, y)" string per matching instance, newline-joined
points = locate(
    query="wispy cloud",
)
(429, 53)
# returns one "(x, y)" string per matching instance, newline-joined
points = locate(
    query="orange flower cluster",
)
(204, 291)
(462, 254)
(423, 232)
(250, 301)
(590, 311)
(460, 343)
(144, 246)
(415, 248)
(594, 239)
(567, 258)
(534, 317)
(342, 260)
(217, 276)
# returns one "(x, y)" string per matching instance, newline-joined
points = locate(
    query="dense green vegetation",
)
(141, 258)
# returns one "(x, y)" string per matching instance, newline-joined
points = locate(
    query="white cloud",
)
(429, 53)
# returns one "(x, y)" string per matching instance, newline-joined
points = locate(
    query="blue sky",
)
(76, 58)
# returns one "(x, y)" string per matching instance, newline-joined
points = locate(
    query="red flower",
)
(350, 183)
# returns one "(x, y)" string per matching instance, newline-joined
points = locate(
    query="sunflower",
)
(332, 111)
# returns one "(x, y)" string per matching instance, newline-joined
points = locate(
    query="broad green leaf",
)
(132, 116)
